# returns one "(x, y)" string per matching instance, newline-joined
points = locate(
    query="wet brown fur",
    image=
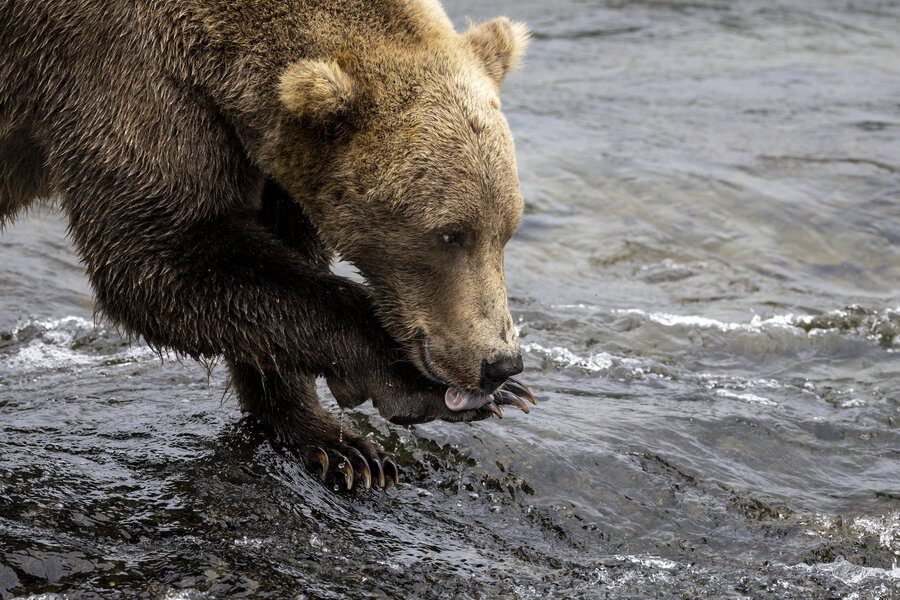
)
(211, 156)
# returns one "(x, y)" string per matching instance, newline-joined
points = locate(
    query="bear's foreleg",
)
(229, 288)
(285, 403)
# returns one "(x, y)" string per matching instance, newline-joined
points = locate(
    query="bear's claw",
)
(314, 455)
(362, 468)
(350, 459)
(344, 470)
(494, 409)
(511, 394)
(505, 397)
(394, 475)
(379, 474)
(519, 389)
(350, 466)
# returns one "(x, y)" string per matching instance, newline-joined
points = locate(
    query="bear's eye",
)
(454, 239)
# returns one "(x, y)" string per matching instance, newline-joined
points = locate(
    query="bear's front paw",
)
(351, 460)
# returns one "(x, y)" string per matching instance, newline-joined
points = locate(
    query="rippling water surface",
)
(707, 289)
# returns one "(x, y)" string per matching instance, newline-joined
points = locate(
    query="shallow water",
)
(707, 289)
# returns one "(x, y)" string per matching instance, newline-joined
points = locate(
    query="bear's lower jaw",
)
(457, 400)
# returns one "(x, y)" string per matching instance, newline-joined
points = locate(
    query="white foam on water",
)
(851, 574)
(49, 325)
(798, 323)
(877, 583)
(40, 355)
(563, 357)
(670, 265)
(853, 403)
(55, 345)
(886, 527)
(648, 561)
(251, 542)
(712, 381)
(755, 325)
(188, 594)
(746, 397)
(580, 306)
(609, 578)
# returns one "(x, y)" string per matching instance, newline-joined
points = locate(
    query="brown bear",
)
(213, 155)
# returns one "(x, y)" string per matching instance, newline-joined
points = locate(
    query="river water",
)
(707, 287)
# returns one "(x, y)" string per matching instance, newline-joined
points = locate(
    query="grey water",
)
(706, 283)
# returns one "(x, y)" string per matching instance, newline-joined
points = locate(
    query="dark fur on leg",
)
(284, 218)
(287, 406)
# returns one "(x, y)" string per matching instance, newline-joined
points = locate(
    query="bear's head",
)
(399, 154)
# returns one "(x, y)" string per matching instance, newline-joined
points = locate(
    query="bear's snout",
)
(467, 365)
(494, 374)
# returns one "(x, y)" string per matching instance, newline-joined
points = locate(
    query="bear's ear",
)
(319, 90)
(500, 44)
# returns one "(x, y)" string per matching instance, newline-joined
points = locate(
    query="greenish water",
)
(707, 289)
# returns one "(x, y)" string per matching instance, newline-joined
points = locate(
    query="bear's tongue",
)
(457, 400)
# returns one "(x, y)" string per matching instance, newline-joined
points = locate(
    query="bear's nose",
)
(494, 374)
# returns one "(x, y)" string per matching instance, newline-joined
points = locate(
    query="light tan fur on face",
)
(429, 154)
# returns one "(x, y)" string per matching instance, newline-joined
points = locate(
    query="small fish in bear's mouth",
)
(459, 400)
